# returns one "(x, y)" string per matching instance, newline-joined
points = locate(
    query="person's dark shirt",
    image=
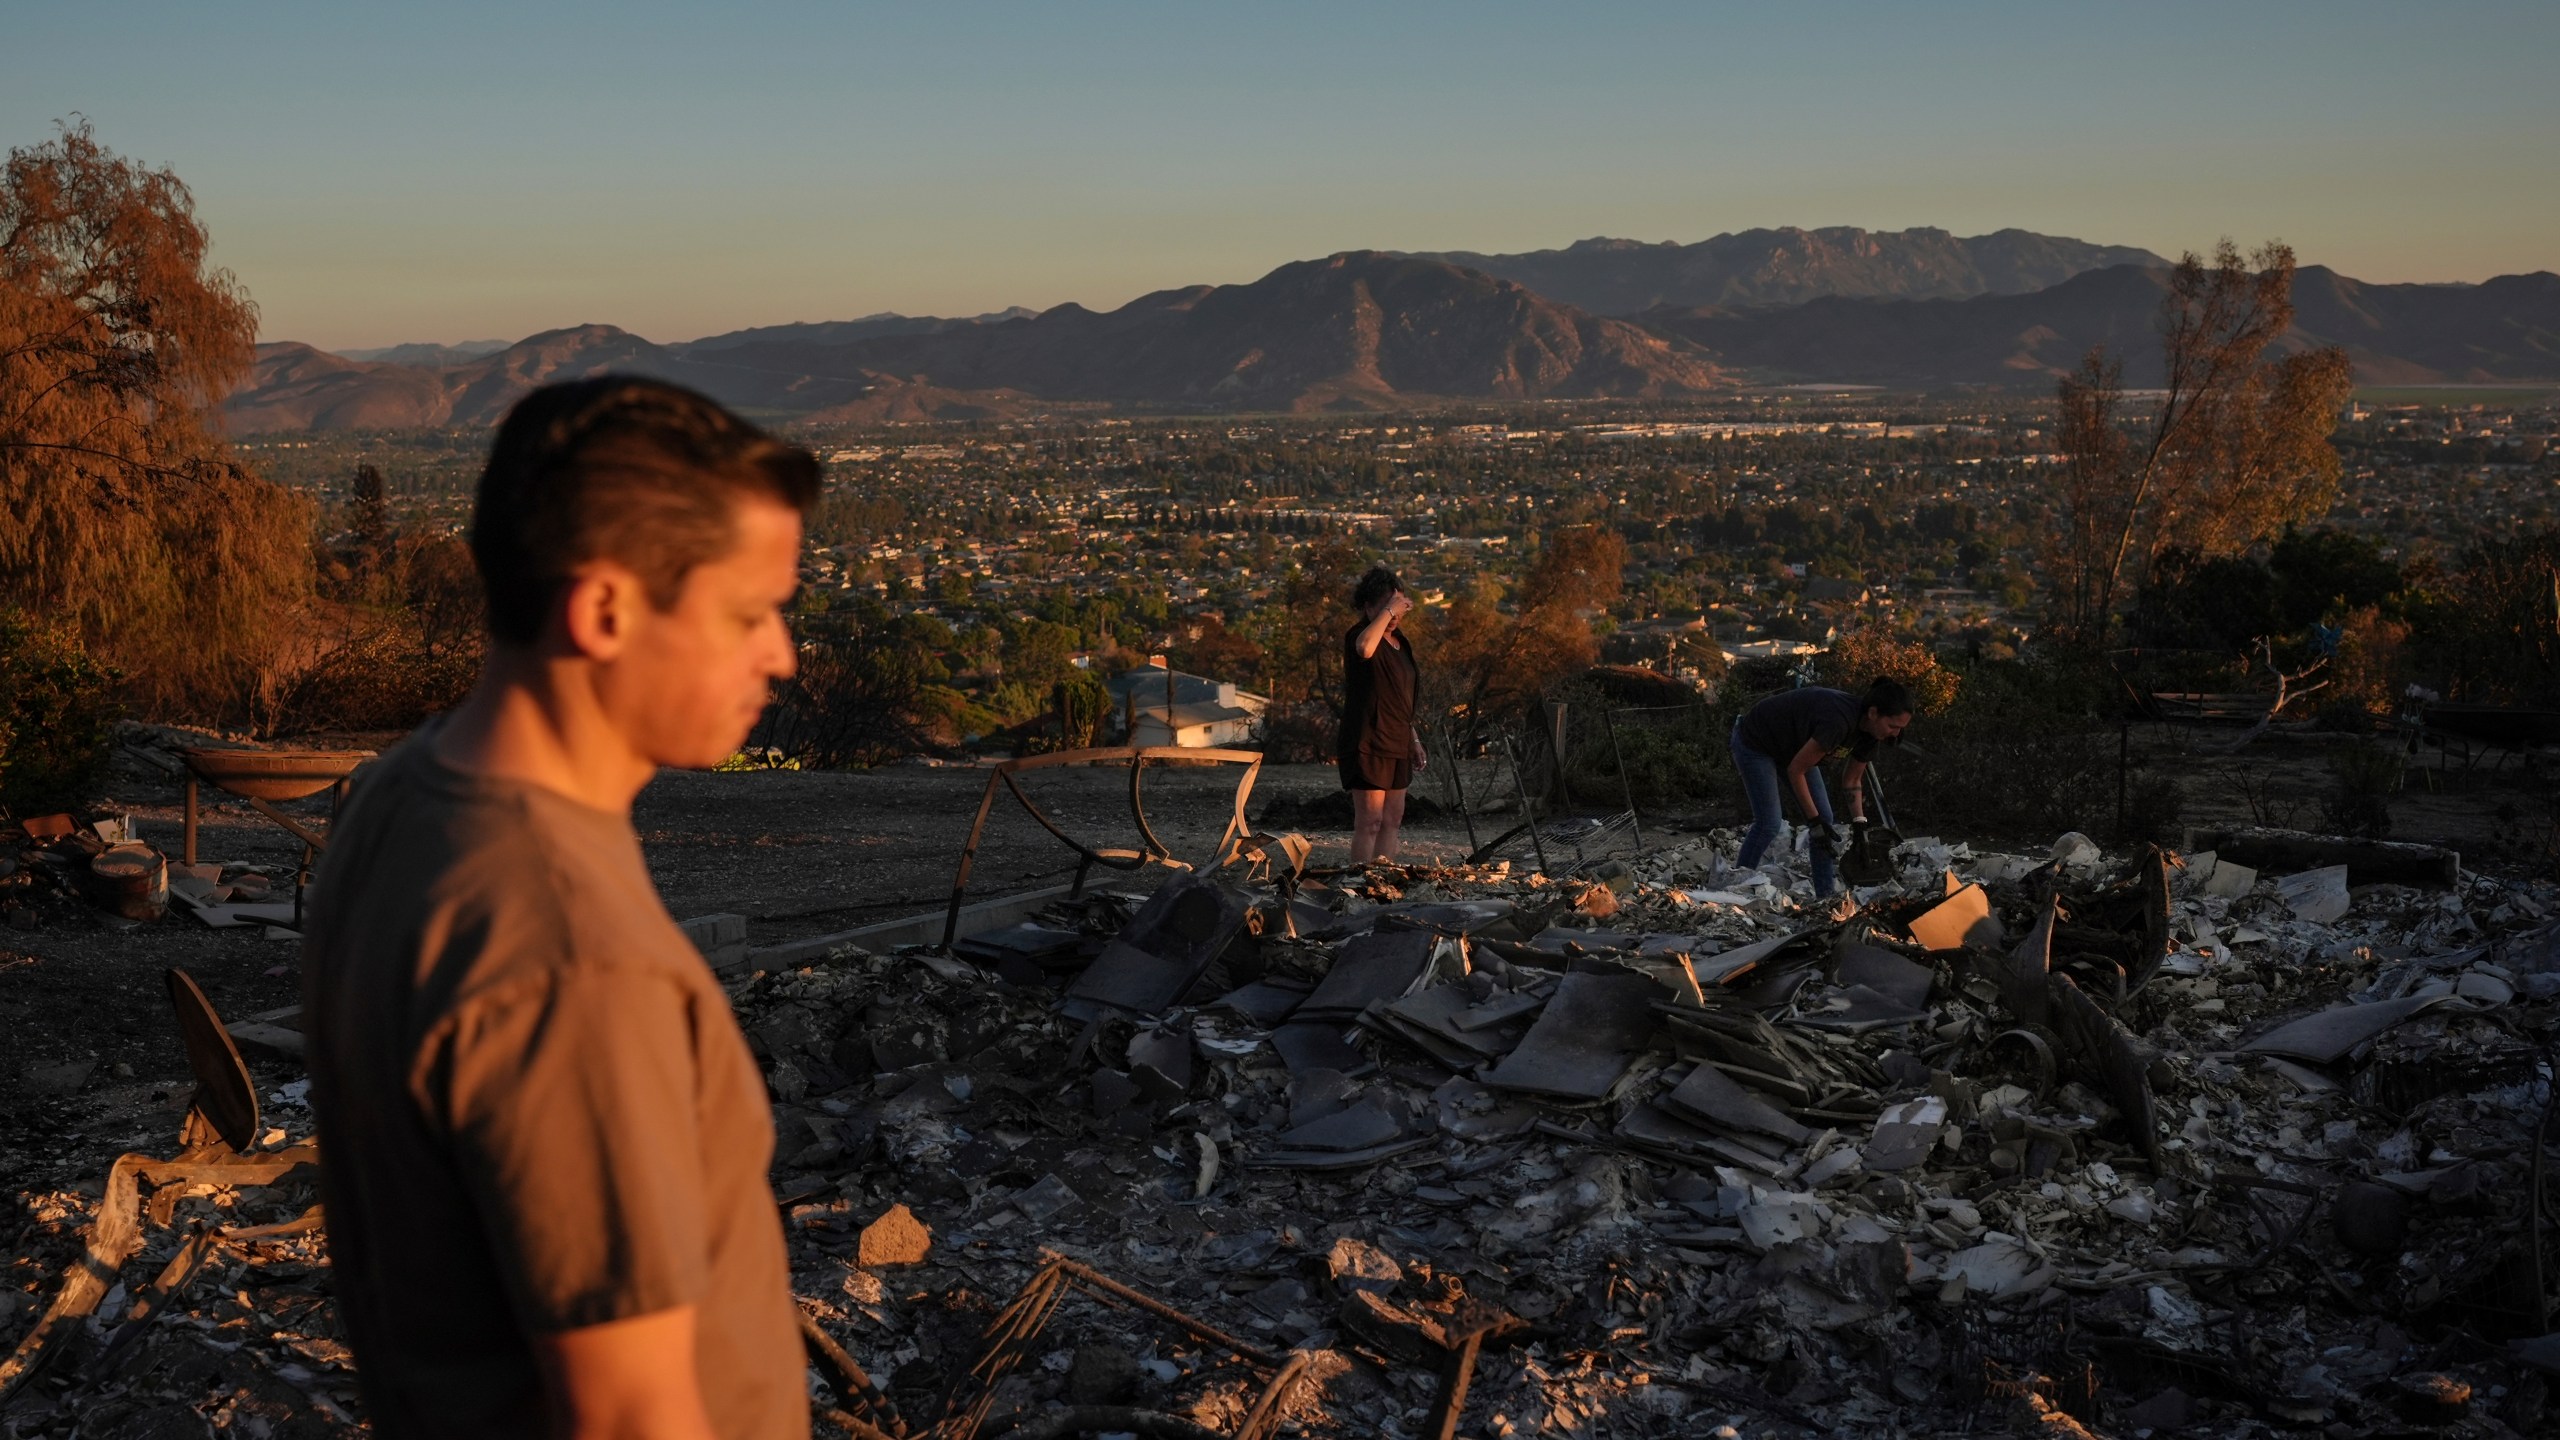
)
(1779, 726)
(1377, 712)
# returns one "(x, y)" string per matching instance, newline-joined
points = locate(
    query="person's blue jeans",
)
(1765, 788)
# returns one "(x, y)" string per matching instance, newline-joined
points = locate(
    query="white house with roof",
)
(1199, 713)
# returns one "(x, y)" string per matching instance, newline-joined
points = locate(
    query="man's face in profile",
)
(690, 683)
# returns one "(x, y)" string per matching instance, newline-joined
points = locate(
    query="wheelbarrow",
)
(263, 777)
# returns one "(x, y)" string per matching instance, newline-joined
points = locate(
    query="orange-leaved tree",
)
(1489, 653)
(122, 512)
(1876, 651)
(2234, 444)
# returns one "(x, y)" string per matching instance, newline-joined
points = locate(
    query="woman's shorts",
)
(1365, 771)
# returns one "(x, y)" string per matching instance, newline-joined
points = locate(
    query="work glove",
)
(1829, 839)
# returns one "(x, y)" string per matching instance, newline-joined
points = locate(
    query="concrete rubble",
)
(2071, 1142)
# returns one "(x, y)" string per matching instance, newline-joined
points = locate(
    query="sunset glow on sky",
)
(465, 170)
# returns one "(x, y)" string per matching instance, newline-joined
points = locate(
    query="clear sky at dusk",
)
(454, 170)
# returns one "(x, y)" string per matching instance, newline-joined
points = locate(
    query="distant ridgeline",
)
(1368, 330)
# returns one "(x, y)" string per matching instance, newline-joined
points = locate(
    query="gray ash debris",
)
(2223, 1144)
(2150, 1143)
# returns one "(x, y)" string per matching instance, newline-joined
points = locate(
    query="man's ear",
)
(599, 609)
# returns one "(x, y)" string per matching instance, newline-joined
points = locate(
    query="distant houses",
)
(1200, 713)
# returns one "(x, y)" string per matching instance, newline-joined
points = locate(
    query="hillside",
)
(1361, 330)
(1790, 266)
(1366, 330)
(2504, 329)
(295, 387)
(841, 332)
(429, 355)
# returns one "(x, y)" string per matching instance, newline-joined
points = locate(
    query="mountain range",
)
(1371, 330)
(2503, 329)
(430, 356)
(1791, 266)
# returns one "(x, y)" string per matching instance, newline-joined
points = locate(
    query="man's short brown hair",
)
(637, 471)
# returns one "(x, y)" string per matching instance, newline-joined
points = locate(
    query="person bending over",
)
(1780, 743)
(545, 1140)
(1380, 748)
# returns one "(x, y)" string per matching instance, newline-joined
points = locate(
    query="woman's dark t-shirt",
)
(1377, 712)
(1779, 726)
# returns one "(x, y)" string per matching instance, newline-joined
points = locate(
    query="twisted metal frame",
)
(1155, 851)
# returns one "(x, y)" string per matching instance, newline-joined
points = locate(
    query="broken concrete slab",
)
(1724, 967)
(1855, 1010)
(1126, 980)
(1432, 1019)
(2001, 1269)
(1905, 1134)
(1567, 941)
(1168, 946)
(2316, 897)
(1472, 1111)
(1782, 1218)
(2230, 879)
(1657, 1130)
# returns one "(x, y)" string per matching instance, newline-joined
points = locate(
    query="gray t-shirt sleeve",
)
(571, 1103)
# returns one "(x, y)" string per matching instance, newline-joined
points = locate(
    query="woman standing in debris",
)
(1791, 733)
(1380, 749)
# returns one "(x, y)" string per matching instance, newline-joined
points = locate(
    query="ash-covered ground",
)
(2030, 1138)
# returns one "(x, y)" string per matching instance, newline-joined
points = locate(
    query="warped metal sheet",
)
(1591, 1031)
(1710, 1097)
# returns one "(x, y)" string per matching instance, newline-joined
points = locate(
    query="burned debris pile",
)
(2155, 1142)
(2237, 1141)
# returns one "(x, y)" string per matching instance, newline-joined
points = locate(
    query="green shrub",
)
(57, 717)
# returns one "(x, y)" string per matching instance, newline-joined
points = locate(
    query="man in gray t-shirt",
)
(543, 1140)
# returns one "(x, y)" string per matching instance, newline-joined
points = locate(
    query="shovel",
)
(1869, 858)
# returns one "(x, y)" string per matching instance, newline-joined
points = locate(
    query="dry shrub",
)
(1872, 649)
(363, 670)
(2366, 673)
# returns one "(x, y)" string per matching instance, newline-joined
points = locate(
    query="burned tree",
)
(2236, 446)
